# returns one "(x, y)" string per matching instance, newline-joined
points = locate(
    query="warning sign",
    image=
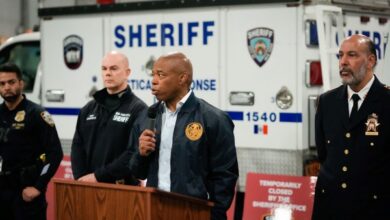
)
(269, 197)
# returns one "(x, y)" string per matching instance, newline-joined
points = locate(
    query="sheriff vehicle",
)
(264, 62)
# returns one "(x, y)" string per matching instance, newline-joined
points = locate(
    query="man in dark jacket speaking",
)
(103, 127)
(191, 150)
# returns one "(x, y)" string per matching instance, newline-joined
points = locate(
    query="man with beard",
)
(353, 139)
(30, 150)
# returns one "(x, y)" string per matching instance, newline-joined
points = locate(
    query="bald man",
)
(353, 139)
(191, 150)
(103, 127)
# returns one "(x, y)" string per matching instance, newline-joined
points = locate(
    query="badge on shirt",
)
(20, 116)
(47, 118)
(372, 124)
(194, 131)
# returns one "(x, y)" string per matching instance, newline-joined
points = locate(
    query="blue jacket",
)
(204, 167)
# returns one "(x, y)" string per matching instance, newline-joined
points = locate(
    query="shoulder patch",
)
(47, 118)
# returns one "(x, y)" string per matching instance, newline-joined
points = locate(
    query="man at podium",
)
(190, 149)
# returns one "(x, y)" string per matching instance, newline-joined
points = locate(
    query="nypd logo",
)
(73, 51)
(260, 44)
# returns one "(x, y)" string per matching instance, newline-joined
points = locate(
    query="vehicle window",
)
(27, 56)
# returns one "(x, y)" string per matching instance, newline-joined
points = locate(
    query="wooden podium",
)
(75, 200)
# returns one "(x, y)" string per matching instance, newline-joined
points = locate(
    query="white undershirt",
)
(362, 94)
(167, 129)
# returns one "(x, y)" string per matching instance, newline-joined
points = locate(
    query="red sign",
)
(278, 197)
(64, 171)
(105, 2)
(230, 211)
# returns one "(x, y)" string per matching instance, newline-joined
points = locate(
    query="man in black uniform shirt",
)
(103, 127)
(30, 150)
(353, 139)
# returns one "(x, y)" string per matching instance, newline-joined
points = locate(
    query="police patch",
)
(47, 118)
(73, 51)
(20, 116)
(194, 131)
(260, 44)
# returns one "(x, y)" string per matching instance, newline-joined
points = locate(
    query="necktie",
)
(355, 98)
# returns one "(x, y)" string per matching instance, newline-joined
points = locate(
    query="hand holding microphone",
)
(147, 140)
(147, 143)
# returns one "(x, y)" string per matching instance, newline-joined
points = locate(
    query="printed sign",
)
(270, 197)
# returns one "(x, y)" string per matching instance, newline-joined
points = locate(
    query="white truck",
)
(263, 62)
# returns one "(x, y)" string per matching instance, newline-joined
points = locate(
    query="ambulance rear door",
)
(262, 93)
(72, 49)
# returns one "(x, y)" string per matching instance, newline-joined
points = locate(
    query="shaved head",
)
(172, 78)
(179, 63)
(115, 71)
(120, 56)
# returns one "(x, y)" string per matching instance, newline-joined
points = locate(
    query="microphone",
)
(152, 113)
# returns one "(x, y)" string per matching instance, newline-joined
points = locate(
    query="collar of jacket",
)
(374, 95)
(375, 88)
(188, 106)
(21, 105)
(102, 94)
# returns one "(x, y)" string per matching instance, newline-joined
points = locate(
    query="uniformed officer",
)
(353, 139)
(192, 151)
(30, 150)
